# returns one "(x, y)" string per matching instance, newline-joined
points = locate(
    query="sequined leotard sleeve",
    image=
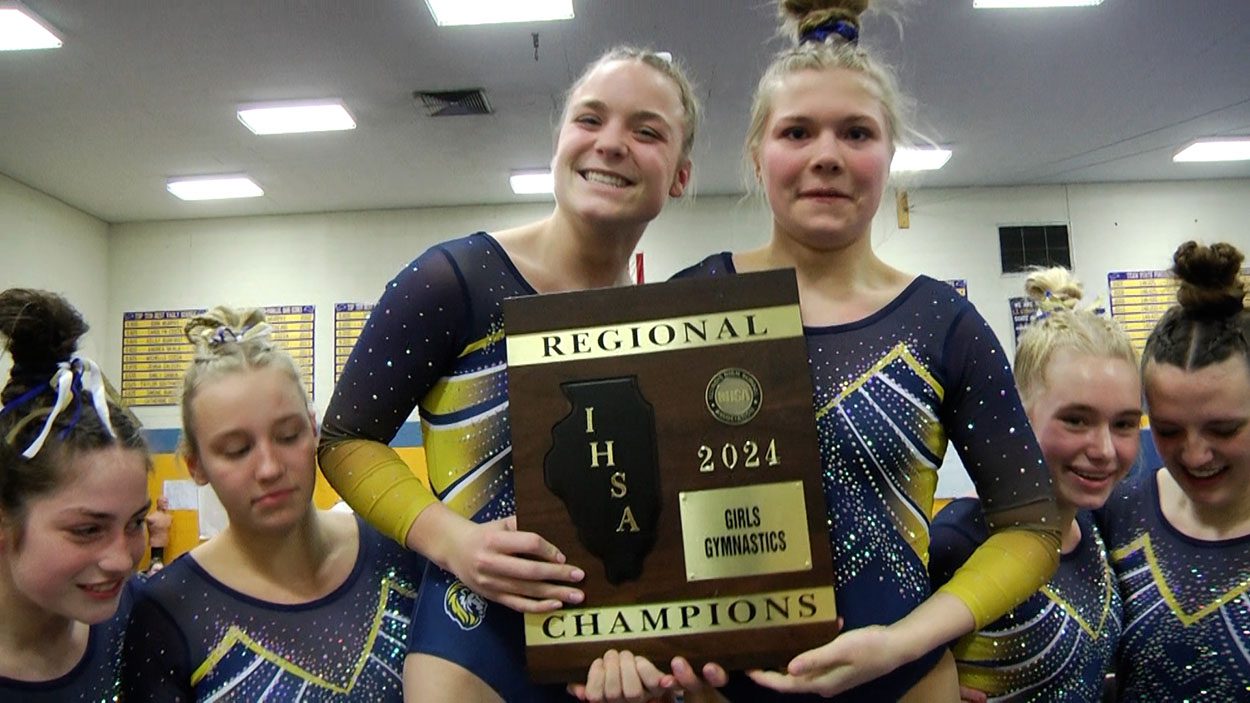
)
(1056, 646)
(987, 425)
(434, 341)
(889, 391)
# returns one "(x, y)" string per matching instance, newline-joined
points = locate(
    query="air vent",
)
(452, 103)
(1023, 247)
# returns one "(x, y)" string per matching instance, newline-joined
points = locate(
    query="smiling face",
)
(619, 152)
(79, 543)
(256, 446)
(824, 157)
(1200, 420)
(1087, 417)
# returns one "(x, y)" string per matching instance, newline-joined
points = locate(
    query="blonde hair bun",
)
(1054, 289)
(1076, 327)
(229, 340)
(223, 325)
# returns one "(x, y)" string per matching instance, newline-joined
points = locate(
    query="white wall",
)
(327, 258)
(319, 259)
(47, 244)
(1114, 227)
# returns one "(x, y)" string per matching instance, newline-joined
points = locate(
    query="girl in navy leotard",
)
(1180, 535)
(900, 365)
(73, 496)
(287, 603)
(1077, 375)
(435, 342)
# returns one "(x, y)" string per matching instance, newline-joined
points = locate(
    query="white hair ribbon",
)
(227, 335)
(260, 331)
(90, 379)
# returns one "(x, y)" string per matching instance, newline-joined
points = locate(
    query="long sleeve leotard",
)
(890, 390)
(434, 342)
(1058, 645)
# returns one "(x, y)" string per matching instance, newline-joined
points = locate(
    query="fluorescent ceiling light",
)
(1012, 4)
(292, 117)
(532, 183)
(1234, 149)
(448, 13)
(213, 187)
(919, 159)
(22, 29)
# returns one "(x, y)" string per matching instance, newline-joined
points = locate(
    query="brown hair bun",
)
(1210, 279)
(40, 330)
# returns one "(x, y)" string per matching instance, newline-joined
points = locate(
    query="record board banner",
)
(663, 438)
(156, 353)
(1139, 299)
(349, 320)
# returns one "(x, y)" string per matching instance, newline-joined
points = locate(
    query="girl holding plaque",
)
(435, 342)
(287, 602)
(900, 365)
(73, 495)
(1180, 535)
(1077, 375)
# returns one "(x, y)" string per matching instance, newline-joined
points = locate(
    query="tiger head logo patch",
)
(466, 608)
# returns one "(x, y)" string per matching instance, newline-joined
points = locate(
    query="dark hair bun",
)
(806, 14)
(1210, 279)
(41, 329)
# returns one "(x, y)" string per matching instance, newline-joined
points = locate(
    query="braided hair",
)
(1063, 323)
(228, 340)
(1210, 323)
(49, 412)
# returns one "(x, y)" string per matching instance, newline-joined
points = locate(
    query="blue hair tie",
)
(1040, 313)
(822, 32)
(72, 379)
(24, 398)
(76, 388)
(223, 335)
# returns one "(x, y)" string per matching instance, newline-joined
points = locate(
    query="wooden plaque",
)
(663, 438)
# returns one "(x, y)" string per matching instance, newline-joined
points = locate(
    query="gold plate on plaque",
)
(760, 528)
(743, 611)
(668, 334)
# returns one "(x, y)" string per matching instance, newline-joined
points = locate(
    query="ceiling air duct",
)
(453, 103)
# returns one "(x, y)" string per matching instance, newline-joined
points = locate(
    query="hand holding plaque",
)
(663, 438)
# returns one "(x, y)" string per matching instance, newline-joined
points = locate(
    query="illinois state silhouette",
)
(603, 465)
